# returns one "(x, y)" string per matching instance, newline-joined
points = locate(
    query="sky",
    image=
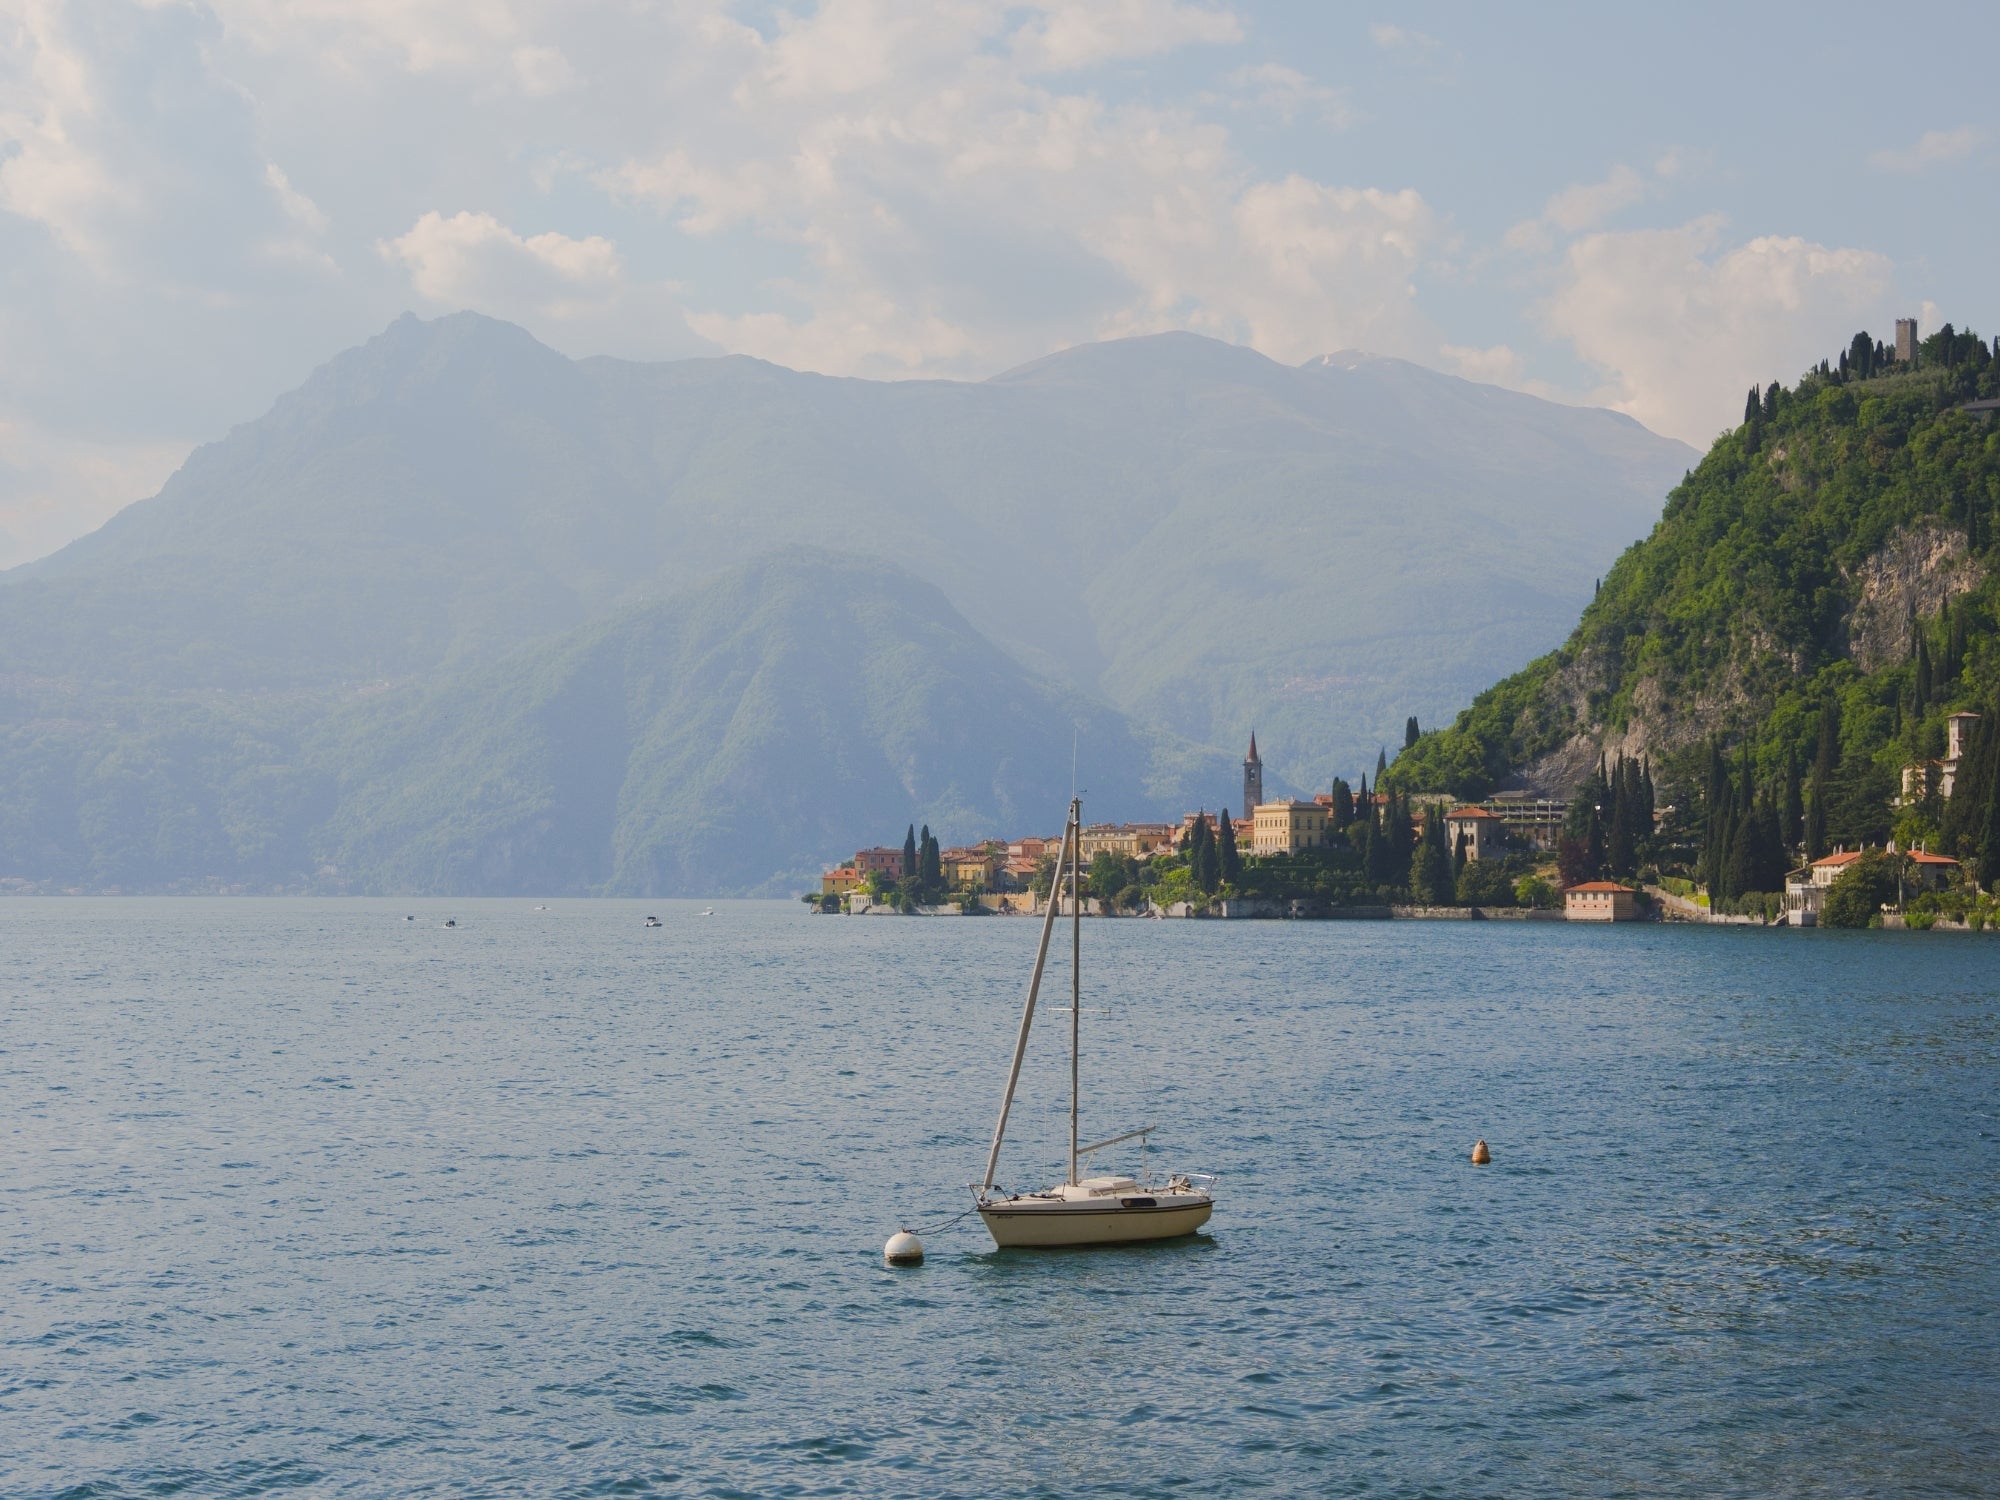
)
(1648, 208)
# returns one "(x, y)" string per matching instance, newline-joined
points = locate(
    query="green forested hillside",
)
(1819, 594)
(731, 737)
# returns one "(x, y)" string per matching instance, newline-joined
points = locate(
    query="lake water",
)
(299, 1195)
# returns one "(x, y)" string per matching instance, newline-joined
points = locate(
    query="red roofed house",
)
(840, 882)
(1805, 890)
(1931, 871)
(887, 862)
(1600, 901)
(1827, 870)
(1482, 831)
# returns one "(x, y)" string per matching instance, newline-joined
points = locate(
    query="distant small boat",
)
(706, 911)
(449, 922)
(541, 908)
(409, 919)
(653, 922)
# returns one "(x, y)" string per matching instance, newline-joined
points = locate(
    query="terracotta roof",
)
(1831, 860)
(1470, 812)
(1922, 858)
(1600, 885)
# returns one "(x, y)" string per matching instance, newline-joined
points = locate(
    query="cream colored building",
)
(1600, 901)
(1287, 827)
(1482, 831)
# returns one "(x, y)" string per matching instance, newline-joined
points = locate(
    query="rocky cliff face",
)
(1912, 576)
(1919, 571)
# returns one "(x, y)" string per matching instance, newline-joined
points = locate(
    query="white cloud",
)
(1584, 205)
(1071, 34)
(1393, 38)
(473, 260)
(1933, 148)
(1679, 326)
(1289, 94)
(904, 184)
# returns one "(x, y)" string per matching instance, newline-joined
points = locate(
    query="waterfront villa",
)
(1805, 890)
(1482, 831)
(1287, 827)
(1600, 901)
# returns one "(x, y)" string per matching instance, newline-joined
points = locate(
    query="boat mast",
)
(1027, 1015)
(1075, 965)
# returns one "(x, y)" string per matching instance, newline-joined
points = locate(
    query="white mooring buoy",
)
(903, 1249)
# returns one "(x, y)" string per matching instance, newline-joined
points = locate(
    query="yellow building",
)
(978, 865)
(1287, 827)
(1133, 840)
(840, 882)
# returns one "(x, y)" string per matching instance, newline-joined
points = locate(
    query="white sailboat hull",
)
(1048, 1223)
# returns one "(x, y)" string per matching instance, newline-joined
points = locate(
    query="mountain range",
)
(463, 614)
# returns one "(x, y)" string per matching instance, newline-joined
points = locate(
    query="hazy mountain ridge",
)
(1182, 525)
(729, 738)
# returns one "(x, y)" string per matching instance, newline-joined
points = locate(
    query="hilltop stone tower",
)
(1906, 340)
(1253, 780)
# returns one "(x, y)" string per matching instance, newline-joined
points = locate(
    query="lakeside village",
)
(1355, 853)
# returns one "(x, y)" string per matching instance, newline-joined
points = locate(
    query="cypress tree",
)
(1458, 856)
(1923, 674)
(1227, 863)
(1715, 808)
(1381, 763)
(910, 852)
(1751, 410)
(1989, 833)
(1342, 812)
(1402, 837)
(1410, 731)
(930, 869)
(1202, 863)
(1739, 866)
(1444, 884)
(1791, 819)
(1769, 851)
(1619, 854)
(1772, 392)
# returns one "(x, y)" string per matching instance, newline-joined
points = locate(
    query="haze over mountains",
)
(463, 614)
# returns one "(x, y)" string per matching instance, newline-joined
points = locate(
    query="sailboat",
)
(1082, 1210)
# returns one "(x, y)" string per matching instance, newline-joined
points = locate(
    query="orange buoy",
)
(1480, 1155)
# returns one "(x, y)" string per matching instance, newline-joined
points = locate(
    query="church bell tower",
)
(1253, 780)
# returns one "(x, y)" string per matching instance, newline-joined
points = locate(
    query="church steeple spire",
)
(1253, 781)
